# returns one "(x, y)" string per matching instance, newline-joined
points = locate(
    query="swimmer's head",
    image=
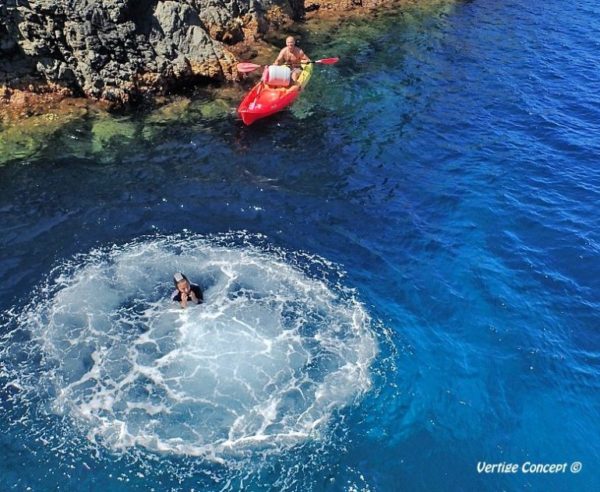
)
(181, 282)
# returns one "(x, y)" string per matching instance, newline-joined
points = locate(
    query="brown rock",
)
(122, 51)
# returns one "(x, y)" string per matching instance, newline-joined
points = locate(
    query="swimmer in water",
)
(185, 291)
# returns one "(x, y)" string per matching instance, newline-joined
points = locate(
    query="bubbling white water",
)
(263, 363)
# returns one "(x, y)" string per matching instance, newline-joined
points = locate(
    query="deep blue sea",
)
(401, 273)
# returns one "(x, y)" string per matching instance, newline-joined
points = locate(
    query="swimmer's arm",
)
(194, 298)
(184, 299)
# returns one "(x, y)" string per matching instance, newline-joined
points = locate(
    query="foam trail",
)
(263, 363)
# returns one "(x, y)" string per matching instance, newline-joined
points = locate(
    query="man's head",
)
(182, 284)
(290, 41)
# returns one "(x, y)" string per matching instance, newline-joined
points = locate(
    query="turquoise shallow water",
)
(422, 227)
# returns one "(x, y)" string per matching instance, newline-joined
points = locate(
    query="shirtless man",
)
(293, 56)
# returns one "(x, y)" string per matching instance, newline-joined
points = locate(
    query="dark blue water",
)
(449, 165)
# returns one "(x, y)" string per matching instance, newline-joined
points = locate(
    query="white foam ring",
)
(263, 363)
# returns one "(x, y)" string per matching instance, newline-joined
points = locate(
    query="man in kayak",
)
(293, 56)
(185, 291)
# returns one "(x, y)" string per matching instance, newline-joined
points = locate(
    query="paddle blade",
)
(246, 67)
(328, 61)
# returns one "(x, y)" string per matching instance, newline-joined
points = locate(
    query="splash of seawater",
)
(262, 364)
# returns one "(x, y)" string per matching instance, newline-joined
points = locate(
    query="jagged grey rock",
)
(121, 50)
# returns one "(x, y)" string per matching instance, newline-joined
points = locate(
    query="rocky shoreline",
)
(120, 52)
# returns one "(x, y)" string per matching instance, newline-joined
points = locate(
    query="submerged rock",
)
(108, 129)
(25, 137)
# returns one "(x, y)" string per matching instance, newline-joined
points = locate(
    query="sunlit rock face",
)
(122, 50)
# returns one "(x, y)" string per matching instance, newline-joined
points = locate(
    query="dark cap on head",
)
(179, 277)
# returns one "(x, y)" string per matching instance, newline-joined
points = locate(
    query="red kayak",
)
(264, 100)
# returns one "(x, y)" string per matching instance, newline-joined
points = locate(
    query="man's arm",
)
(304, 57)
(279, 59)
